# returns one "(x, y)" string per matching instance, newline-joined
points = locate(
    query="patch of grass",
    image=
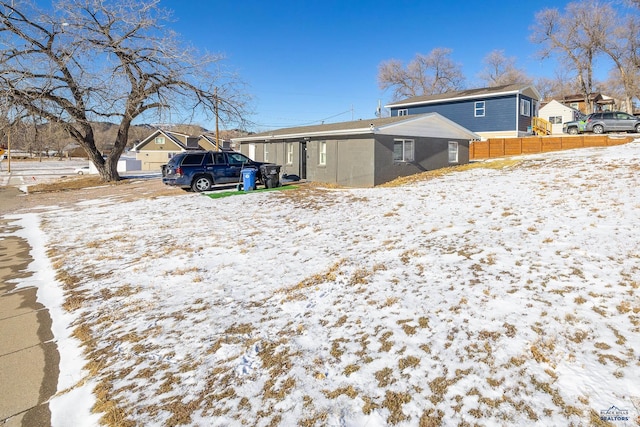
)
(350, 369)
(317, 279)
(347, 391)
(336, 350)
(425, 176)
(384, 377)
(75, 183)
(408, 362)
(221, 194)
(386, 345)
(393, 402)
(360, 277)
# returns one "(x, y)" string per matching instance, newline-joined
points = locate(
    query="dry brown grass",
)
(425, 176)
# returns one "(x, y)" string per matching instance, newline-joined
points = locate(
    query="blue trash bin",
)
(249, 179)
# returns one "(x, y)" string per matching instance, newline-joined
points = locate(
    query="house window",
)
(266, 152)
(289, 153)
(404, 112)
(478, 109)
(525, 107)
(453, 152)
(159, 140)
(403, 150)
(575, 105)
(555, 120)
(322, 155)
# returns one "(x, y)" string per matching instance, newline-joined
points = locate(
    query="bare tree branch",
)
(425, 75)
(500, 70)
(90, 60)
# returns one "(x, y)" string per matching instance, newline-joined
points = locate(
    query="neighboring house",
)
(597, 102)
(492, 112)
(74, 150)
(156, 149)
(363, 153)
(207, 141)
(557, 114)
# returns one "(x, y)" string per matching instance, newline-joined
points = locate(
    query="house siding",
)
(153, 160)
(152, 156)
(277, 154)
(356, 162)
(360, 156)
(524, 122)
(430, 154)
(499, 113)
(557, 109)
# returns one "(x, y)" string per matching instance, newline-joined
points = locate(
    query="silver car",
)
(612, 121)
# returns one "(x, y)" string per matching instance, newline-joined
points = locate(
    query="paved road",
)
(30, 172)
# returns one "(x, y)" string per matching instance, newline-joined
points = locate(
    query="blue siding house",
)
(492, 112)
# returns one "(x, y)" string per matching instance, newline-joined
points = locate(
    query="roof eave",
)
(467, 97)
(341, 132)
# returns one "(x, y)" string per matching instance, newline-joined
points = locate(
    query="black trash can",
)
(271, 175)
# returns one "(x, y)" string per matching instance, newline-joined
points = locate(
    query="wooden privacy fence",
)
(501, 147)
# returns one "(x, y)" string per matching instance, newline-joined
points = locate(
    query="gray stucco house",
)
(491, 112)
(363, 153)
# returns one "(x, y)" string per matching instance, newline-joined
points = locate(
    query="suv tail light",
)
(179, 171)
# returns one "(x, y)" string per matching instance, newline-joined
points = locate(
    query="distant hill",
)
(50, 138)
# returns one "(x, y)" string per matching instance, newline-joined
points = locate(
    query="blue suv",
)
(200, 170)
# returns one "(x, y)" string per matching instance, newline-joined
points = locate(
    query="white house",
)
(557, 114)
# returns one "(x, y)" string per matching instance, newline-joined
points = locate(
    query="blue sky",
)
(308, 61)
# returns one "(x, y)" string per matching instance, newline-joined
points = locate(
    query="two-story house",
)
(491, 112)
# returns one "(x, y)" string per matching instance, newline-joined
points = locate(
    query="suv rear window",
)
(193, 159)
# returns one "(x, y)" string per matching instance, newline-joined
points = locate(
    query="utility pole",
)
(216, 112)
(9, 149)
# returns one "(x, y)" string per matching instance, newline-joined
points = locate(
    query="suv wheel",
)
(201, 183)
(598, 129)
(638, 128)
(573, 131)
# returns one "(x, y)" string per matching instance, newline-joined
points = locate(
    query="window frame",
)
(525, 107)
(322, 153)
(456, 151)
(479, 108)
(555, 120)
(403, 112)
(265, 152)
(290, 152)
(404, 142)
(159, 140)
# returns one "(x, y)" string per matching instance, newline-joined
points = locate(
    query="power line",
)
(294, 124)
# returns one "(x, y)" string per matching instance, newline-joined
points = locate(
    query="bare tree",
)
(91, 60)
(621, 43)
(500, 70)
(425, 75)
(560, 86)
(568, 36)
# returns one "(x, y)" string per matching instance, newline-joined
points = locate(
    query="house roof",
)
(557, 103)
(596, 97)
(480, 93)
(430, 124)
(171, 135)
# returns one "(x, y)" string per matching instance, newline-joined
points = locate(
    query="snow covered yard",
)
(490, 296)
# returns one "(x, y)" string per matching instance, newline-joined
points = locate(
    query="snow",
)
(499, 296)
